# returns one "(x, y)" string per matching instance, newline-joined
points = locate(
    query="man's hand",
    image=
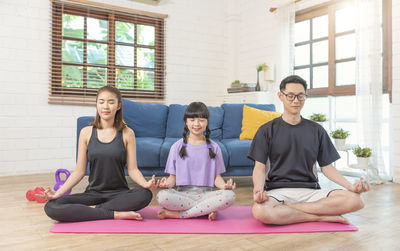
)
(360, 186)
(260, 196)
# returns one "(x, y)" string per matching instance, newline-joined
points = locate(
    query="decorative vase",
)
(258, 83)
(340, 144)
(361, 161)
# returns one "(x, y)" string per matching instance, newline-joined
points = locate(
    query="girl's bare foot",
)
(127, 215)
(212, 215)
(165, 214)
(338, 219)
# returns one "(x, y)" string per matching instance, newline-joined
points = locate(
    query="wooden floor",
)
(24, 226)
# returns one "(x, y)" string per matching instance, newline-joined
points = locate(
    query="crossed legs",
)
(327, 209)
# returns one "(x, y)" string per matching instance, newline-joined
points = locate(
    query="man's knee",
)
(356, 201)
(263, 214)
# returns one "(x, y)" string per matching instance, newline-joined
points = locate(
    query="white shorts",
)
(298, 195)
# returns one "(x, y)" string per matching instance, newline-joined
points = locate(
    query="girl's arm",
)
(168, 182)
(220, 183)
(80, 168)
(133, 170)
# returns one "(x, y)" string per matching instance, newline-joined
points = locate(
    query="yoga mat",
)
(233, 220)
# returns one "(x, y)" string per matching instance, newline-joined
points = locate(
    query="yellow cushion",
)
(254, 118)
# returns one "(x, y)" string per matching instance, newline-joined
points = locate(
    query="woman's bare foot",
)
(213, 215)
(127, 215)
(338, 219)
(165, 214)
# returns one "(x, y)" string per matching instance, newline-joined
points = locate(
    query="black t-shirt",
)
(292, 151)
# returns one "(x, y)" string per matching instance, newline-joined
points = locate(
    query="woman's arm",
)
(133, 170)
(80, 168)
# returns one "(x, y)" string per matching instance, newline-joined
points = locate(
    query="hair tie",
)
(209, 146)
(184, 144)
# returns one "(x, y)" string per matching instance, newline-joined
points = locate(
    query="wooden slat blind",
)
(83, 58)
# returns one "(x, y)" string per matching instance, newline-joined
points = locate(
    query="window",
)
(325, 50)
(93, 46)
(325, 53)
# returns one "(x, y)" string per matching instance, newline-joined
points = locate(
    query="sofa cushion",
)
(148, 151)
(147, 120)
(253, 118)
(233, 116)
(175, 123)
(237, 151)
(168, 142)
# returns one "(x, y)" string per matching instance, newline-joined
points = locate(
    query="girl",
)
(195, 164)
(108, 144)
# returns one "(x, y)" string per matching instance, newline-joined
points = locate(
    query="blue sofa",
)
(158, 126)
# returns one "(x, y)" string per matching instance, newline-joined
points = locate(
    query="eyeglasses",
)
(291, 97)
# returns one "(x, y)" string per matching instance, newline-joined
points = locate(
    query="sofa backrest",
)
(233, 116)
(175, 123)
(146, 120)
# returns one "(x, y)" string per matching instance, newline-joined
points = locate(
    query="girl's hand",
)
(151, 184)
(230, 185)
(164, 184)
(48, 194)
(360, 186)
(260, 196)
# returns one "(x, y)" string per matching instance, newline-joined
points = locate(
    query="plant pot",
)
(340, 144)
(361, 161)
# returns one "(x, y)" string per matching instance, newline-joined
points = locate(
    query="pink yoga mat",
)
(233, 220)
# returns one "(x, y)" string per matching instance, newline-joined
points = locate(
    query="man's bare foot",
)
(338, 219)
(213, 215)
(127, 215)
(165, 214)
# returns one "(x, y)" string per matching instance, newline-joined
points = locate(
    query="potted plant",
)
(363, 155)
(260, 67)
(320, 118)
(340, 136)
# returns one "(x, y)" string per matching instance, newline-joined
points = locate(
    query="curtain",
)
(369, 81)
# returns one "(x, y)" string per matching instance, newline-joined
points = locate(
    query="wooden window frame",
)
(86, 96)
(329, 9)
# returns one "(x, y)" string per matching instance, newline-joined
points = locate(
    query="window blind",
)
(94, 44)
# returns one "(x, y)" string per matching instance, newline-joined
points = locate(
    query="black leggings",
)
(76, 207)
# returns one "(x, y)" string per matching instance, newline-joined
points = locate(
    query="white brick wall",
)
(396, 90)
(38, 137)
(209, 44)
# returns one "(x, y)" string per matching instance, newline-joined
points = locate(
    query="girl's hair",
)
(196, 110)
(119, 122)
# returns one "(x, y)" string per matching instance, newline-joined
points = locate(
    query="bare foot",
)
(165, 214)
(213, 215)
(127, 215)
(338, 219)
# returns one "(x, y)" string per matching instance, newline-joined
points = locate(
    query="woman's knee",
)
(51, 210)
(146, 197)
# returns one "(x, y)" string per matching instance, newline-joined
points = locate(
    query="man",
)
(290, 192)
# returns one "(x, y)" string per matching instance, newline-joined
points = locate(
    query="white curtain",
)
(369, 80)
(287, 14)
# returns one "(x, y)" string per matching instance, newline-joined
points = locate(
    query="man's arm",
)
(259, 195)
(333, 174)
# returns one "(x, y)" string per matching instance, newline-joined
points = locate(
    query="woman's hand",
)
(164, 184)
(48, 194)
(230, 185)
(151, 183)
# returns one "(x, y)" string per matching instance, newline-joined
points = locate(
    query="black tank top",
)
(107, 162)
